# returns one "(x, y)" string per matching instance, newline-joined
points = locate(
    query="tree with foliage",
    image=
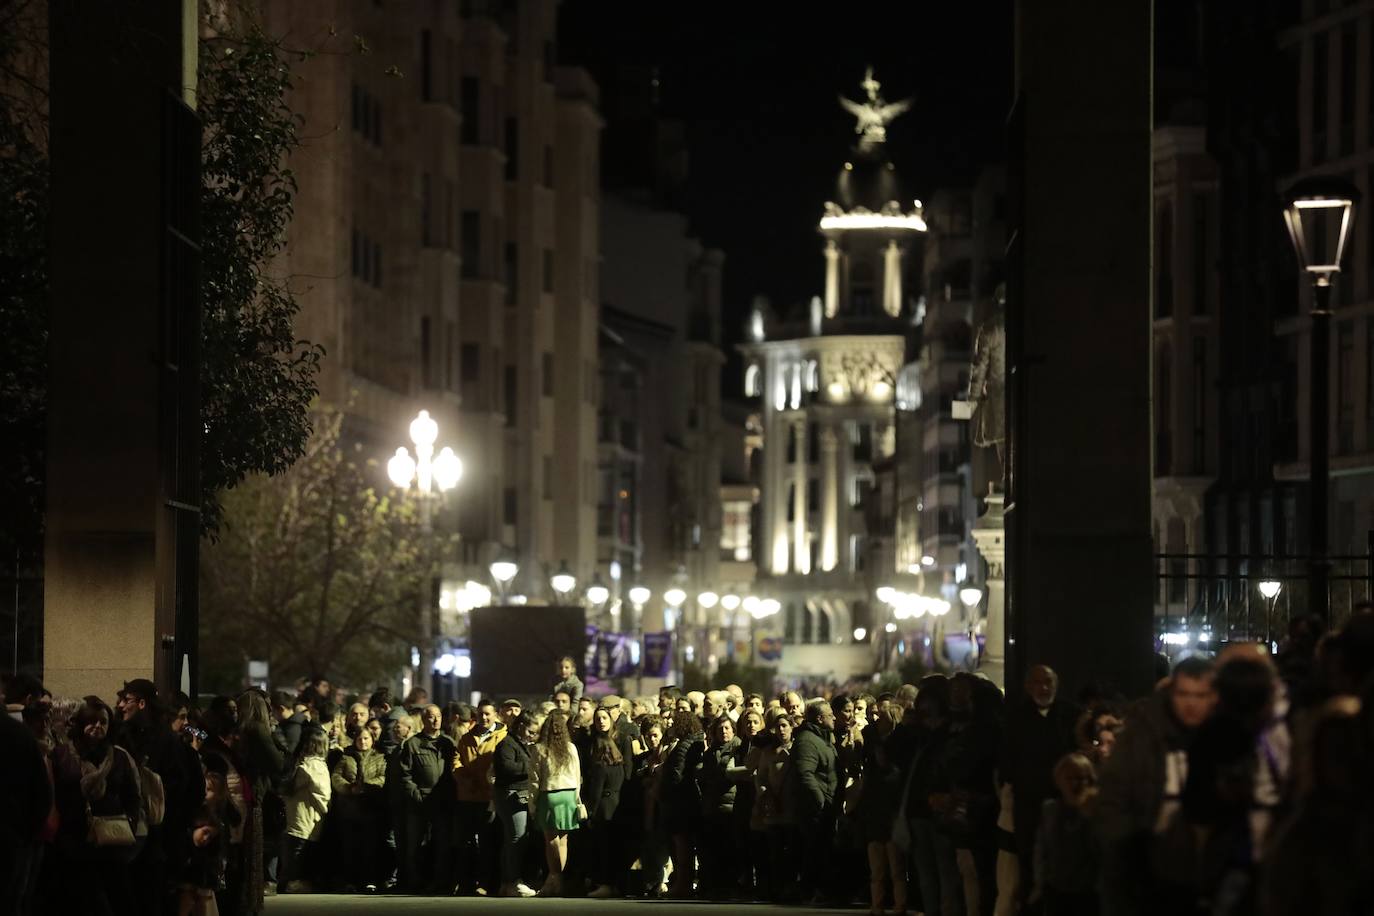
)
(316, 572)
(257, 378)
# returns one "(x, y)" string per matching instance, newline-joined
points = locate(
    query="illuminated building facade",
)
(826, 376)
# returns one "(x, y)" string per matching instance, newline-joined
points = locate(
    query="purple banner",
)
(591, 657)
(614, 655)
(658, 654)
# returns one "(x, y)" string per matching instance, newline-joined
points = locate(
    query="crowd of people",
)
(1235, 787)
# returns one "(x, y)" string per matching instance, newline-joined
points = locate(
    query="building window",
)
(470, 228)
(789, 628)
(511, 392)
(426, 210)
(367, 115)
(511, 262)
(548, 270)
(426, 67)
(807, 635)
(548, 166)
(1319, 95)
(734, 531)
(512, 149)
(1202, 265)
(1349, 62)
(512, 504)
(822, 627)
(1164, 414)
(426, 365)
(791, 502)
(548, 374)
(450, 355)
(470, 89)
(470, 359)
(1199, 405)
(813, 442)
(861, 441)
(1345, 387)
(1164, 260)
(1369, 381)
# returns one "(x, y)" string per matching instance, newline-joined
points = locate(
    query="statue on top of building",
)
(988, 380)
(875, 114)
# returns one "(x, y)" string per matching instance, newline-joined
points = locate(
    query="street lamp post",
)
(1270, 589)
(432, 475)
(1320, 215)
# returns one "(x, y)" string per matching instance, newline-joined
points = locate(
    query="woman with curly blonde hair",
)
(556, 773)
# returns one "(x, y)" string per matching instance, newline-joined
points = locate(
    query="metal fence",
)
(1211, 598)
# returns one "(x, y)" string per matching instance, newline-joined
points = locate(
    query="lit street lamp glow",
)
(504, 571)
(1270, 588)
(970, 595)
(750, 605)
(730, 602)
(708, 599)
(563, 581)
(674, 597)
(597, 592)
(859, 634)
(639, 596)
(426, 470)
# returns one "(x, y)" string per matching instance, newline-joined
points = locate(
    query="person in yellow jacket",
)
(479, 834)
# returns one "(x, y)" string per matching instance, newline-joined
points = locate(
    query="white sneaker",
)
(522, 889)
(602, 892)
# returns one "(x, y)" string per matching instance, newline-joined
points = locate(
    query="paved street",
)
(340, 905)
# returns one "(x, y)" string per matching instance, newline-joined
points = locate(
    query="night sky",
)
(757, 84)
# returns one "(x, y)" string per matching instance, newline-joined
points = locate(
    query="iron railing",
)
(1215, 598)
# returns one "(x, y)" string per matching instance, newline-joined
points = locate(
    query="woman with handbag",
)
(556, 775)
(511, 795)
(109, 790)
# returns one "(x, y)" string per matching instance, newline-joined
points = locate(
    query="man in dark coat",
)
(1148, 857)
(25, 800)
(813, 780)
(1040, 730)
(424, 768)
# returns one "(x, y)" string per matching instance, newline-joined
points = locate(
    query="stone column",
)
(832, 279)
(844, 453)
(775, 492)
(989, 535)
(892, 279)
(830, 498)
(123, 492)
(801, 552)
(1079, 570)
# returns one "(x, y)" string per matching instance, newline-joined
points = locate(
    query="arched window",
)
(806, 633)
(813, 375)
(789, 633)
(822, 626)
(752, 388)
